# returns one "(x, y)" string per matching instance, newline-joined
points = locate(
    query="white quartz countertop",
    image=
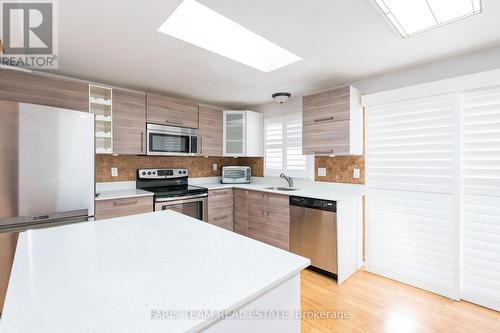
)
(333, 192)
(111, 275)
(122, 194)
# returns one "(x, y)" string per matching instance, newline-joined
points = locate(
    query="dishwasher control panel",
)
(321, 204)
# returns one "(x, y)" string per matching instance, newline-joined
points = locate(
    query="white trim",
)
(456, 84)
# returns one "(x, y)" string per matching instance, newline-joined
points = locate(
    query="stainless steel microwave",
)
(171, 140)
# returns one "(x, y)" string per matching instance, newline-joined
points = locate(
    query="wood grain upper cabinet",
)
(129, 122)
(210, 130)
(240, 211)
(268, 218)
(332, 123)
(171, 111)
(43, 89)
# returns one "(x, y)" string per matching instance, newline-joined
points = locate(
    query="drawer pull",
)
(220, 192)
(323, 152)
(220, 217)
(324, 119)
(125, 203)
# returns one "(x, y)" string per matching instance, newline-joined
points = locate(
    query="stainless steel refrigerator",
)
(46, 173)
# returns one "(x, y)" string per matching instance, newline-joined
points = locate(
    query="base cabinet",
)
(220, 208)
(240, 211)
(106, 209)
(266, 218)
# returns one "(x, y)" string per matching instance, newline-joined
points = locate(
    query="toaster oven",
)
(236, 175)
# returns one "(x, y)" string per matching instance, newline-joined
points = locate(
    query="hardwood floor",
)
(376, 304)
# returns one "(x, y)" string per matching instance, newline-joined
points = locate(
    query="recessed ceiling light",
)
(412, 17)
(199, 25)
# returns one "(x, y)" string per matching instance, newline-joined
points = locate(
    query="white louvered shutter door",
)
(274, 145)
(480, 148)
(411, 193)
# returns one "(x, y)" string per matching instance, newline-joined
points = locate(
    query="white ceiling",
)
(117, 42)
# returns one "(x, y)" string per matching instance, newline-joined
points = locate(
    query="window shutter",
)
(480, 146)
(283, 146)
(411, 189)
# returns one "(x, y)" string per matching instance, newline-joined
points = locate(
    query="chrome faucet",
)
(289, 180)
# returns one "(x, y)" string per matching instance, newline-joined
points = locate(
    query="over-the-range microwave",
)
(171, 140)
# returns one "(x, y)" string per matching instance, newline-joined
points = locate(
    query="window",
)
(283, 146)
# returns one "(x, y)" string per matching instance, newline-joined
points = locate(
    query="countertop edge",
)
(113, 195)
(251, 298)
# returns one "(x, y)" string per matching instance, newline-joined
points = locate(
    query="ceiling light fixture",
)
(281, 97)
(413, 17)
(201, 26)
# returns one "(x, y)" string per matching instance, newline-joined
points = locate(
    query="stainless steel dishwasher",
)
(313, 232)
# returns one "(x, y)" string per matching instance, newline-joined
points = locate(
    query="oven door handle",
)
(196, 196)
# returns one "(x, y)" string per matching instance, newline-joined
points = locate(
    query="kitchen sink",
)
(281, 188)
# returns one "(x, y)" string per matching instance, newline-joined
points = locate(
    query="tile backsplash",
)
(340, 169)
(198, 166)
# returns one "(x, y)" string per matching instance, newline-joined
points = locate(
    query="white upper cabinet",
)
(332, 123)
(243, 134)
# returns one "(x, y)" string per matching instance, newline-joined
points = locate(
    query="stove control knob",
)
(179, 172)
(149, 173)
(144, 173)
(184, 172)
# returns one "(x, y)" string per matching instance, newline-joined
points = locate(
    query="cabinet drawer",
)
(105, 209)
(220, 198)
(222, 218)
(326, 139)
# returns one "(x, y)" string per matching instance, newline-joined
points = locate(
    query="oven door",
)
(170, 140)
(193, 206)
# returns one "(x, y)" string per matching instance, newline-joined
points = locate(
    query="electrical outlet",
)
(321, 172)
(357, 174)
(114, 172)
(214, 167)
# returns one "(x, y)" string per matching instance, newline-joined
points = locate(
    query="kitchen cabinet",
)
(43, 89)
(268, 218)
(210, 130)
(106, 209)
(220, 208)
(129, 122)
(101, 105)
(243, 133)
(332, 123)
(171, 111)
(240, 211)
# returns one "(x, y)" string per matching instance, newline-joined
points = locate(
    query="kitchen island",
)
(155, 272)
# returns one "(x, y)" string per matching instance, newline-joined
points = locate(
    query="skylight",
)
(415, 16)
(199, 25)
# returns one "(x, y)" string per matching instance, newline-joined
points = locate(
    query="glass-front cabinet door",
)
(234, 133)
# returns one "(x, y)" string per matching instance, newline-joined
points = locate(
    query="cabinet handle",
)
(125, 203)
(323, 152)
(142, 142)
(324, 119)
(262, 204)
(173, 122)
(220, 217)
(201, 145)
(220, 192)
(268, 210)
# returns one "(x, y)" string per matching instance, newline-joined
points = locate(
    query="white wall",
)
(468, 64)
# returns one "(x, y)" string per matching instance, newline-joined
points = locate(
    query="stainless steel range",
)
(172, 191)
